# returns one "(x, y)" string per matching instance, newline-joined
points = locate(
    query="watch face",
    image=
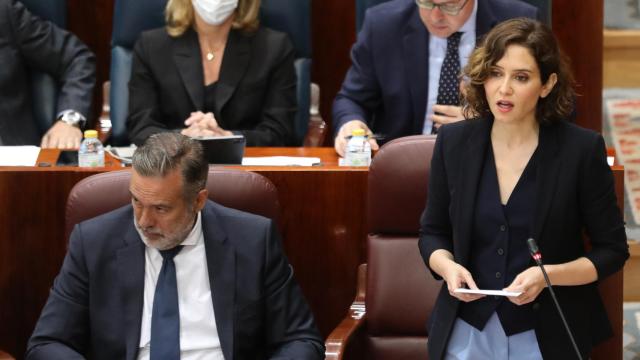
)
(71, 117)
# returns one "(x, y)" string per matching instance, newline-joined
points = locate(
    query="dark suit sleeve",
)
(55, 51)
(360, 92)
(435, 224)
(275, 127)
(144, 118)
(600, 213)
(291, 331)
(63, 328)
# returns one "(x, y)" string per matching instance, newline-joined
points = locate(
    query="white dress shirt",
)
(198, 332)
(437, 52)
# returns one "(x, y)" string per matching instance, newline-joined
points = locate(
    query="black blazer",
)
(255, 95)
(30, 43)
(575, 192)
(94, 309)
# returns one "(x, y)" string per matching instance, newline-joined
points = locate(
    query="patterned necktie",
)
(449, 85)
(165, 316)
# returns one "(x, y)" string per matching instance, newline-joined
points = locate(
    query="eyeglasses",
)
(447, 8)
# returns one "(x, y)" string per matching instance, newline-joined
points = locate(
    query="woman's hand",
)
(201, 124)
(530, 282)
(456, 276)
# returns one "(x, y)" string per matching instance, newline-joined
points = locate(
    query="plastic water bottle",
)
(91, 153)
(358, 149)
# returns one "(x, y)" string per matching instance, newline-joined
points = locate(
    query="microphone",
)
(537, 257)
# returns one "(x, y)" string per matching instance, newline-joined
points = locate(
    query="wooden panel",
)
(91, 20)
(584, 48)
(323, 227)
(621, 58)
(333, 33)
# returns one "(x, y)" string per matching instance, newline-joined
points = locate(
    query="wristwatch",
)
(73, 118)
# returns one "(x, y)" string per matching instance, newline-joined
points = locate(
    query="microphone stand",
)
(535, 253)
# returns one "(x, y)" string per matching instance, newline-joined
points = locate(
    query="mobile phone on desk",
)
(67, 158)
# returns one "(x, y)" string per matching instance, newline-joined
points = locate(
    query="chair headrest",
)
(398, 179)
(131, 17)
(101, 193)
(292, 17)
(52, 10)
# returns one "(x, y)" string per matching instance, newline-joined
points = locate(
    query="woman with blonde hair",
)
(213, 71)
(517, 171)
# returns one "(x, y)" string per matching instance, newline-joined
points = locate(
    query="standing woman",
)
(518, 171)
(213, 71)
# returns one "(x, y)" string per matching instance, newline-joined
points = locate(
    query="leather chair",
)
(5, 356)
(363, 5)
(108, 191)
(44, 90)
(132, 17)
(294, 18)
(395, 293)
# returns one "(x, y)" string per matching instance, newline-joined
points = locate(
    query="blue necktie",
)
(449, 85)
(165, 317)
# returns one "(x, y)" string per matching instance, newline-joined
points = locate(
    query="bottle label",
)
(91, 160)
(358, 152)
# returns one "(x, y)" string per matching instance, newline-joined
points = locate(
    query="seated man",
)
(174, 275)
(30, 43)
(403, 78)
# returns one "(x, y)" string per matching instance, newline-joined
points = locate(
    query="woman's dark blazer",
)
(575, 192)
(255, 95)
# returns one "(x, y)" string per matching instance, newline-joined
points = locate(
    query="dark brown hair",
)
(543, 46)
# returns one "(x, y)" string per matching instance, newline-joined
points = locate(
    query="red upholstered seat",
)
(237, 189)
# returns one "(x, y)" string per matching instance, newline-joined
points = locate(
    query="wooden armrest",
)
(340, 337)
(5, 356)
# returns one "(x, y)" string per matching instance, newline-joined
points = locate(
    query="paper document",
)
(280, 161)
(19, 155)
(122, 153)
(488, 292)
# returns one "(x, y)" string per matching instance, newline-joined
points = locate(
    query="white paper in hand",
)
(488, 292)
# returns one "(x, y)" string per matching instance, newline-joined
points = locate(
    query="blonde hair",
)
(179, 16)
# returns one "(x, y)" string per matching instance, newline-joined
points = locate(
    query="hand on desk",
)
(62, 136)
(340, 142)
(201, 124)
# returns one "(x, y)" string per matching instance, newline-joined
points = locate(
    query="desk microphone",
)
(535, 254)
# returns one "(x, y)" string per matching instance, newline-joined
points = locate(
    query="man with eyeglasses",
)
(403, 77)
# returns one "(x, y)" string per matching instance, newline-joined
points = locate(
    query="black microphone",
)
(535, 254)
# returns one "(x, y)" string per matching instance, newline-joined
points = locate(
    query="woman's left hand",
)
(530, 282)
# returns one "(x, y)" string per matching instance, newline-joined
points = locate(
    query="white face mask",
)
(214, 12)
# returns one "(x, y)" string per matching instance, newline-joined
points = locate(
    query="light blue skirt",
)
(467, 342)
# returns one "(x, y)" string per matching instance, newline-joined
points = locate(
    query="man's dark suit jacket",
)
(26, 43)
(575, 192)
(94, 309)
(387, 84)
(255, 95)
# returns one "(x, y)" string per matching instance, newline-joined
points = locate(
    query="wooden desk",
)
(323, 224)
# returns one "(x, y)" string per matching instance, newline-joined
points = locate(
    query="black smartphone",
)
(67, 158)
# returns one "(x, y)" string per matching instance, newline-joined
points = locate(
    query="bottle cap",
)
(90, 134)
(357, 132)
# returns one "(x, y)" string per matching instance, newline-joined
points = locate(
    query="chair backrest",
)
(130, 18)
(363, 5)
(44, 91)
(400, 291)
(101, 193)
